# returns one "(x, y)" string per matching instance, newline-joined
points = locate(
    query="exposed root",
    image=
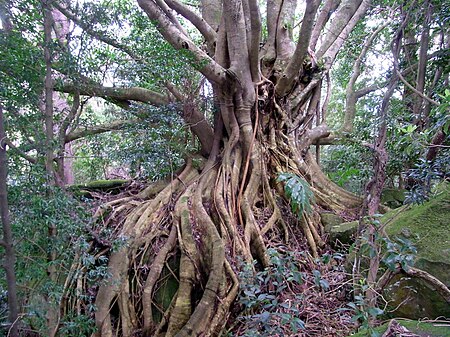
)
(197, 229)
(154, 274)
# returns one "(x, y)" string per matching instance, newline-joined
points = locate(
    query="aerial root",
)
(155, 272)
(215, 255)
(139, 228)
(228, 295)
(207, 220)
(188, 261)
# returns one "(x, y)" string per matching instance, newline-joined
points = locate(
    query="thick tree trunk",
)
(209, 217)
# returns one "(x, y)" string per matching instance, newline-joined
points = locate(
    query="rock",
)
(343, 233)
(101, 185)
(419, 328)
(426, 226)
(111, 186)
(330, 219)
(392, 197)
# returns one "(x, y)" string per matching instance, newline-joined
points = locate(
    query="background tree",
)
(7, 239)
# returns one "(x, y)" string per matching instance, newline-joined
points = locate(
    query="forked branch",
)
(207, 66)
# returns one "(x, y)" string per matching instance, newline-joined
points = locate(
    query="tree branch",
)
(296, 62)
(207, 66)
(328, 8)
(312, 136)
(422, 65)
(69, 118)
(199, 126)
(96, 34)
(255, 35)
(168, 13)
(237, 38)
(19, 152)
(400, 76)
(329, 53)
(441, 288)
(110, 41)
(340, 21)
(351, 95)
(203, 27)
(122, 94)
(97, 129)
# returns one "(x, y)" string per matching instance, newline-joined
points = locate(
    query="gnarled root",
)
(194, 230)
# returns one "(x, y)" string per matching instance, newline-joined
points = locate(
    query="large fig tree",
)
(268, 100)
(269, 109)
(265, 64)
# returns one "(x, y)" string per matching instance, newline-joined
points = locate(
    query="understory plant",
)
(266, 310)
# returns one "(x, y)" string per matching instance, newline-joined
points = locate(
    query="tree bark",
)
(52, 175)
(7, 241)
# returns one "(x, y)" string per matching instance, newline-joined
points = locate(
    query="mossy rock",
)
(427, 227)
(424, 329)
(393, 197)
(343, 233)
(413, 298)
(330, 219)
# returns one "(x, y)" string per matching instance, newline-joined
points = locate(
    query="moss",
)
(330, 219)
(420, 328)
(166, 288)
(100, 184)
(83, 190)
(425, 225)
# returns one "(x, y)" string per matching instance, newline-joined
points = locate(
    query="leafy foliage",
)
(363, 312)
(264, 314)
(35, 207)
(400, 252)
(298, 192)
(137, 150)
(347, 165)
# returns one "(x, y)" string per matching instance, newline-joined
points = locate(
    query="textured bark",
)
(343, 16)
(301, 50)
(97, 129)
(328, 8)
(172, 34)
(422, 64)
(48, 93)
(375, 186)
(200, 23)
(120, 94)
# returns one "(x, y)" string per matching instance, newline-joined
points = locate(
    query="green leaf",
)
(374, 312)
(264, 317)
